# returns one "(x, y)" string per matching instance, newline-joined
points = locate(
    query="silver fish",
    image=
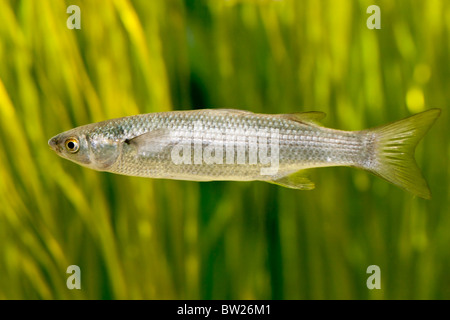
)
(226, 144)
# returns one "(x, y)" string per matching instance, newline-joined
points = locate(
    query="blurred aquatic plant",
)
(155, 239)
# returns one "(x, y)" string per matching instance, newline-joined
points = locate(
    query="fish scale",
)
(306, 146)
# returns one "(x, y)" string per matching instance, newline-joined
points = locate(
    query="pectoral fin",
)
(295, 180)
(150, 142)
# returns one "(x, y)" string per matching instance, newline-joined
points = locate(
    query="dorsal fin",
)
(228, 110)
(236, 111)
(310, 117)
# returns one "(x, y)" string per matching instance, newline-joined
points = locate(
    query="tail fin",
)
(394, 146)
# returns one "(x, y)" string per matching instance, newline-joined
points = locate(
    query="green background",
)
(139, 238)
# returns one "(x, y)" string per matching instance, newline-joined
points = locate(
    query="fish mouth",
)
(53, 143)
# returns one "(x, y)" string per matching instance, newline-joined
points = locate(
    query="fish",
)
(239, 145)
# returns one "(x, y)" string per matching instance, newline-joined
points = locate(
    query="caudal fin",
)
(394, 146)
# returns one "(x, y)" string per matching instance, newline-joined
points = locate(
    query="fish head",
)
(86, 147)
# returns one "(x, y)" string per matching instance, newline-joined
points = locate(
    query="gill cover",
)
(103, 152)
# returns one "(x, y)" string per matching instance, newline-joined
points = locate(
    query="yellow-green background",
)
(139, 238)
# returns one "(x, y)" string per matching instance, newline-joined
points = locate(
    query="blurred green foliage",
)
(139, 238)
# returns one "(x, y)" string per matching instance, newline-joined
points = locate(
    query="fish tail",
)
(393, 152)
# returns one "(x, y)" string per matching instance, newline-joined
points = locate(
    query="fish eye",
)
(72, 145)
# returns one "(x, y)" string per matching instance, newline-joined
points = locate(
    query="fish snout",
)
(53, 143)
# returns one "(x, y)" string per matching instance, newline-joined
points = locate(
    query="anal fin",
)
(295, 180)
